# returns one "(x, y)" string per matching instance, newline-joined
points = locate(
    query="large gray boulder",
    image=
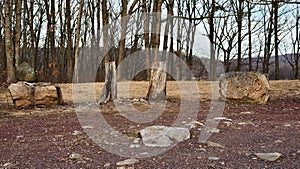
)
(250, 87)
(32, 94)
(25, 73)
(163, 136)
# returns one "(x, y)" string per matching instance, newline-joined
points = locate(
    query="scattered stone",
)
(268, 156)
(194, 124)
(136, 141)
(222, 118)
(130, 161)
(107, 165)
(122, 167)
(134, 146)
(75, 156)
(213, 130)
(213, 144)
(278, 141)
(8, 165)
(19, 136)
(246, 112)
(87, 127)
(163, 136)
(287, 125)
(298, 152)
(246, 123)
(76, 132)
(249, 87)
(213, 158)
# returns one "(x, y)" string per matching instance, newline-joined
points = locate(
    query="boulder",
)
(32, 94)
(25, 73)
(249, 87)
(163, 136)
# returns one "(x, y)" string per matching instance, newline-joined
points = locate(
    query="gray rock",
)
(213, 144)
(213, 158)
(25, 73)
(163, 136)
(130, 161)
(75, 156)
(107, 165)
(298, 152)
(268, 156)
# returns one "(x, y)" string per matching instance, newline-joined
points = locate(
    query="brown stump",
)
(109, 91)
(158, 80)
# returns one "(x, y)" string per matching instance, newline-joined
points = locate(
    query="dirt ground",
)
(50, 137)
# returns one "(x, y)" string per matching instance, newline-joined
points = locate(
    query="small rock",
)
(268, 156)
(213, 130)
(75, 133)
(287, 125)
(136, 141)
(246, 123)
(7, 165)
(194, 124)
(298, 152)
(213, 158)
(87, 127)
(246, 112)
(122, 167)
(107, 165)
(134, 146)
(19, 136)
(222, 118)
(213, 144)
(75, 156)
(130, 161)
(278, 141)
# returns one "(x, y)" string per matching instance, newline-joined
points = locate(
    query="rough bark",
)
(109, 91)
(157, 84)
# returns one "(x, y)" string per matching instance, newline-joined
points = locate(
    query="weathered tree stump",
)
(109, 91)
(34, 94)
(247, 87)
(158, 79)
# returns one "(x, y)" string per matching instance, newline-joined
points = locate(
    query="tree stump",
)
(247, 87)
(34, 94)
(109, 91)
(158, 80)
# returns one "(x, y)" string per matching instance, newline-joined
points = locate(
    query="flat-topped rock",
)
(31, 94)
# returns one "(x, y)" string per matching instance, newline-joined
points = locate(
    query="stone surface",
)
(31, 94)
(163, 136)
(213, 144)
(130, 161)
(268, 156)
(25, 73)
(249, 87)
(75, 156)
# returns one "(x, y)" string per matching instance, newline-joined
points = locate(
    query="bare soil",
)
(43, 137)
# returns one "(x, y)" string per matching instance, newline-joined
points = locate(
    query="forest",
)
(65, 41)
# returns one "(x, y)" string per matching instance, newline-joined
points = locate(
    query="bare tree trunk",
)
(211, 38)
(8, 45)
(109, 92)
(157, 87)
(17, 33)
(76, 66)
(69, 41)
(275, 6)
(157, 84)
(146, 37)
(239, 24)
(250, 37)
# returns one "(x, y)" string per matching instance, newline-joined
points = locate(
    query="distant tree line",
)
(53, 35)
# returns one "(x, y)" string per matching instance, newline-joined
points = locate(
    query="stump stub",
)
(250, 87)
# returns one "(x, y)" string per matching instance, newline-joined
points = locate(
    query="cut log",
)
(247, 87)
(34, 94)
(158, 80)
(109, 91)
